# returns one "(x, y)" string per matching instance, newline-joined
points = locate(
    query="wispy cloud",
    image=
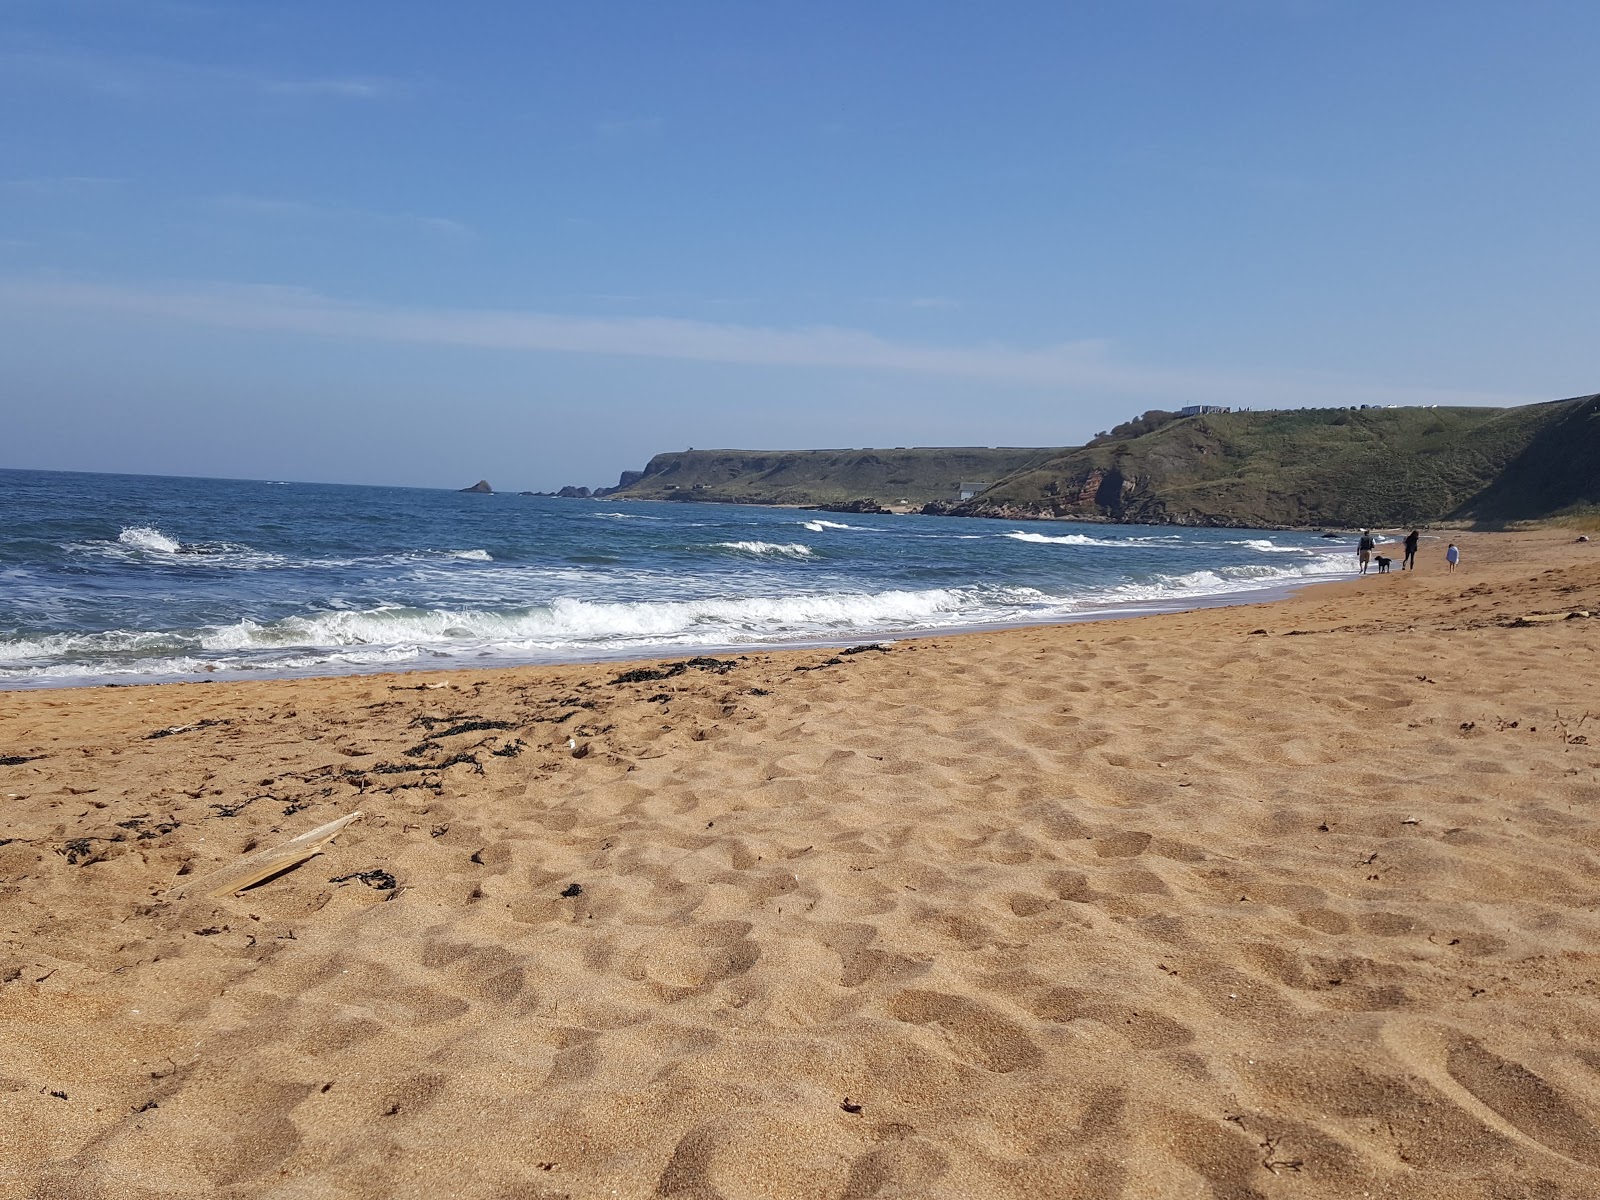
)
(47, 63)
(56, 185)
(267, 207)
(922, 302)
(352, 89)
(1085, 368)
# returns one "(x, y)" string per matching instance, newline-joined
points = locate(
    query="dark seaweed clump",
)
(649, 674)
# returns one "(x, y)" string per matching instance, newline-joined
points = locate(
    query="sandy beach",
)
(1295, 899)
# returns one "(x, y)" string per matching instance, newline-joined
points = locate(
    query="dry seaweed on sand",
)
(702, 663)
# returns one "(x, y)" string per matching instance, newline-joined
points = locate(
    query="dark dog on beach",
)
(1383, 564)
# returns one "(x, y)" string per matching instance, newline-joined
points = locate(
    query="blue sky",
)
(405, 242)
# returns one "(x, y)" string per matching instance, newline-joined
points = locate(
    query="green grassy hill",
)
(916, 476)
(1343, 467)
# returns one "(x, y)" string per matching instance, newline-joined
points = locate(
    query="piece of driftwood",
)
(261, 864)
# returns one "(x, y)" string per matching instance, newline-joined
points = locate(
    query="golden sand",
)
(1298, 899)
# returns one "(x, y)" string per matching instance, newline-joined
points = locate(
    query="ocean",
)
(128, 578)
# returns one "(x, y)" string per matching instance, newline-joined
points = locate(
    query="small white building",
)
(966, 491)
(1200, 410)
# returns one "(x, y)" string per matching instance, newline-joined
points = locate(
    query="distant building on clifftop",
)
(1200, 410)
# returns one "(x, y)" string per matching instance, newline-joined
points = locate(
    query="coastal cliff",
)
(1345, 467)
(1293, 468)
(904, 477)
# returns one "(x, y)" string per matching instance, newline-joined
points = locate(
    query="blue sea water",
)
(124, 578)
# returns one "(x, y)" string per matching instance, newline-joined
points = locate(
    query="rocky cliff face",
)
(1346, 467)
(914, 475)
(1275, 469)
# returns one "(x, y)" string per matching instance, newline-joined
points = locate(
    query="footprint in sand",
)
(1125, 844)
(977, 1033)
(1525, 1100)
(1500, 1092)
(697, 957)
(1139, 1027)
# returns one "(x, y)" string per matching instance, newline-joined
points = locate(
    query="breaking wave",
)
(207, 577)
(142, 537)
(563, 628)
(1265, 546)
(144, 544)
(1066, 539)
(573, 628)
(787, 549)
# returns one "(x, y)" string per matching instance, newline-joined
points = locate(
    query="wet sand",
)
(1290, 899)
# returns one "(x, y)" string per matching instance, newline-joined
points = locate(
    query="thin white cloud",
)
(922, 302)
(443, 225)
(262, 206)
(271, 208)
(352, 89)
(49, 63)
(55, 185)
(1083, 368)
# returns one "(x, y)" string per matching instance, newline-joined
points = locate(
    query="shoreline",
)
(1276, 592)
(1128, 610)
(1294, 897)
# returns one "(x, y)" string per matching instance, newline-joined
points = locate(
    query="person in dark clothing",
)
(1410, 561)
(1364, 549)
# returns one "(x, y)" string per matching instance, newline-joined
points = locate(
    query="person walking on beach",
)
(1364, 549)
(1410, 561)
(1452, 556)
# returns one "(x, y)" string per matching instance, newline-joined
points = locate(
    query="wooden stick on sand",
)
(260, 864)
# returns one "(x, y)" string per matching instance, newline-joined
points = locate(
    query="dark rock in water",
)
(574, 493)
(854, 506)
(481, 486)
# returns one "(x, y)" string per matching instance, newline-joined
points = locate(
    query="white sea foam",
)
(145, 544)
(568, 623)
(1228, 580)
(566, 626)
(461, 604)
(1266, 546)
(788, 549)
(571, 627)
(141, 543)
(1068, 539)
(142, 537)
(115, 641)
